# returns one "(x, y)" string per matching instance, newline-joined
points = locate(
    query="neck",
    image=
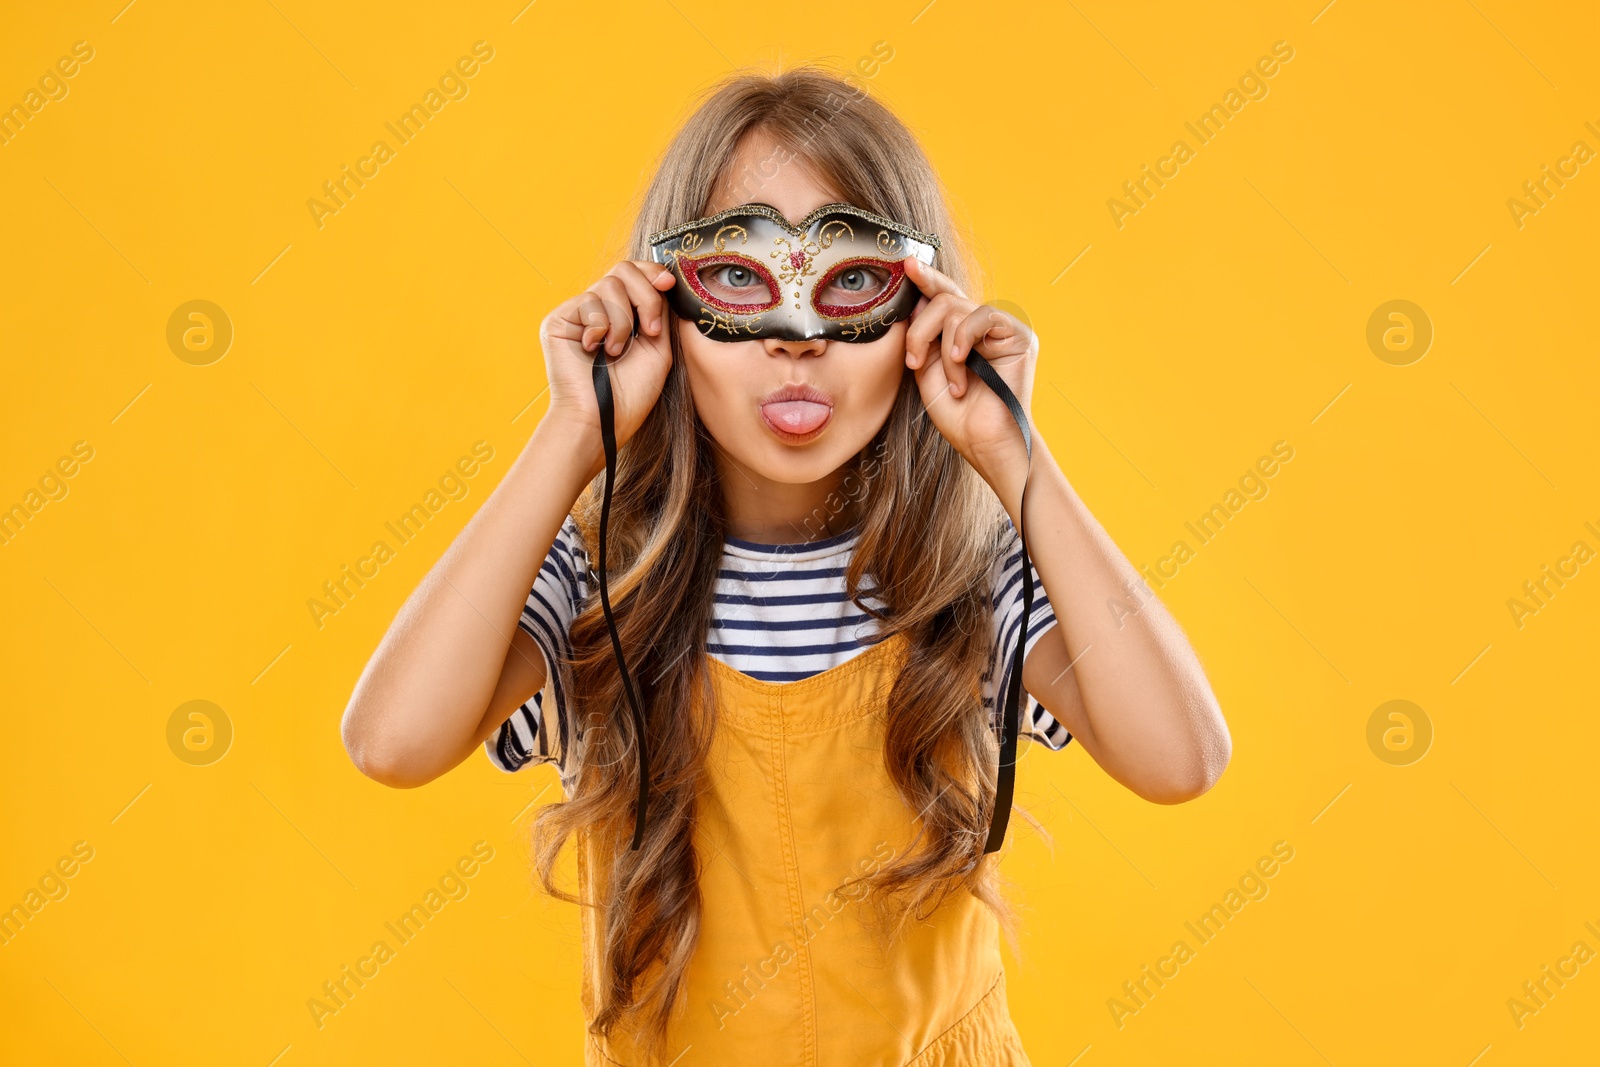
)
(781, 513)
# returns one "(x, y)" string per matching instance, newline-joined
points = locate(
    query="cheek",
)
(703, 358)
(716, 371)
(882, 363)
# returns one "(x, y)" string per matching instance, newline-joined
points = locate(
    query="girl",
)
(814, 573)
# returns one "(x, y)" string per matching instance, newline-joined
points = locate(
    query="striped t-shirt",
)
(780, 614)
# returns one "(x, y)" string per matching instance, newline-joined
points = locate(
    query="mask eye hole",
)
(852, 286)
(732, 283)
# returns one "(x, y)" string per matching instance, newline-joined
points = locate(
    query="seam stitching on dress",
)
(817, 681)
(868, 706)
(599, 1049)
(791, 877)
(920, 1059)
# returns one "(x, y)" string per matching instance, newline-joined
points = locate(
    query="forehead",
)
(764, 170)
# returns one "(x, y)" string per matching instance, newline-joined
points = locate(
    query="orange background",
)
(1228, 313)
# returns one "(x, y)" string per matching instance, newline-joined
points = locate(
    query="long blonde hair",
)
(924, 502)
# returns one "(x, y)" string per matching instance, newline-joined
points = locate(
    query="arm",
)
(1127, 684)
(454, 664)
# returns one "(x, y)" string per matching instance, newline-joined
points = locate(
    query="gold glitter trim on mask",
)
(713, 319)
(867, 322)
(799, 230)
(720, 242)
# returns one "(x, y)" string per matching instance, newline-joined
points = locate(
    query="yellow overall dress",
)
(786, 973)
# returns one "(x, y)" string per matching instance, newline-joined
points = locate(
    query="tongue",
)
(797, 416)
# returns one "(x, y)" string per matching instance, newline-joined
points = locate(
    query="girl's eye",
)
(853, 285)
(735, 283)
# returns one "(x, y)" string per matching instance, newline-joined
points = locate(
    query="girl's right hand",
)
(603, 314)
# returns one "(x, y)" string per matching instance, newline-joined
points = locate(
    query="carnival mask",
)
(747, 272)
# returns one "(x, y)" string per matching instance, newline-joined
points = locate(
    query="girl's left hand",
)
(945, 326)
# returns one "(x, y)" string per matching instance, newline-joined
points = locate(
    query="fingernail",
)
(655, 325)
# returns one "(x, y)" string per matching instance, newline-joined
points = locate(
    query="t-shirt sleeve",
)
(1037, 723)
(538, 732)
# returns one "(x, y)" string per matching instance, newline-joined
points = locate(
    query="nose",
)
(795, 349)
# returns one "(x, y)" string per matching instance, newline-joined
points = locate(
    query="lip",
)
(796, 391)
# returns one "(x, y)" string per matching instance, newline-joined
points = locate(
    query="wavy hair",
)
(923, 502)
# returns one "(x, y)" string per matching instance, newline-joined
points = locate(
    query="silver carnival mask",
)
(748, 272)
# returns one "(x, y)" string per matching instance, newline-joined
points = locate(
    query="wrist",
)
(569, 447)
(1008, 477)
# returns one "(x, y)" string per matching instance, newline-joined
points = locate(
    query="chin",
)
(798, 464)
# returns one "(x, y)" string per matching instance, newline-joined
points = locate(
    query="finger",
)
(922, 332)
(591, 319)
(619, 311)
(1008, 335)
(642, 294)
(660, 276)
(931, 380)
(931, 281)
(644, 298)
(984, 322)
(922, 302)
(563, 323)
(954, 356)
